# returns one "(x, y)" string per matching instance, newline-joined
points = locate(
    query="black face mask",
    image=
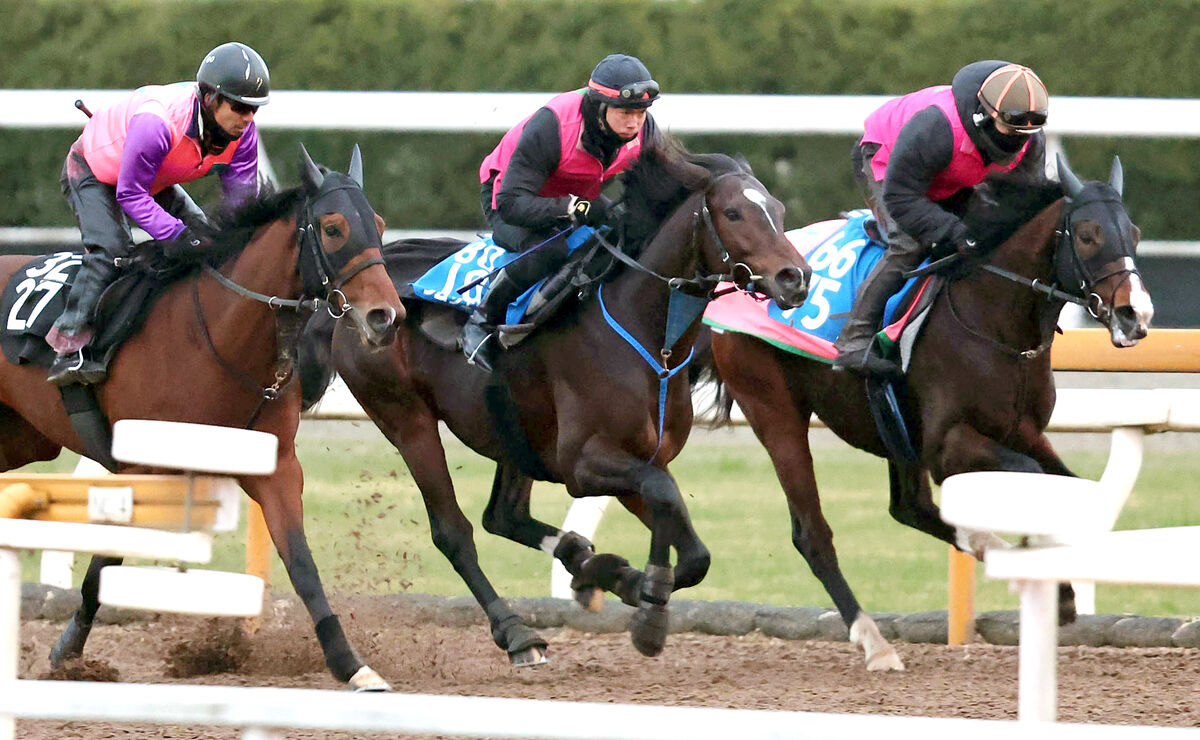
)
(999, 147)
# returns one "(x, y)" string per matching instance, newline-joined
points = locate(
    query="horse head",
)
(744, 226)
(340, 250)
(1095, 255)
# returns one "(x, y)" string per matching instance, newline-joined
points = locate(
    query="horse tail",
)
(705, 378)
(314, 358)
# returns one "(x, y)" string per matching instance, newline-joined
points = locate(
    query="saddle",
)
(441, 308)
(37, 293)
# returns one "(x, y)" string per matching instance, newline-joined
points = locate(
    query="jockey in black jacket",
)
(546, 174)
(919, 160)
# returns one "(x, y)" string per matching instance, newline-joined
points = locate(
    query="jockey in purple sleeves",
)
(127, 166)
(546, 174)
(918, 161)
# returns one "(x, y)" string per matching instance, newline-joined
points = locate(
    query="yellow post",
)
(258, 552)
(962, 598)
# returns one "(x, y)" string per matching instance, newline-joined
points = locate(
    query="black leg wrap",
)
(648, 626)
(572, 550)
(340, 658)
(71, 641)
(509, 632)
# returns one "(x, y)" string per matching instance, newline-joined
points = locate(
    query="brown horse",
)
(209, 353)
(979, 387)
(581, 401)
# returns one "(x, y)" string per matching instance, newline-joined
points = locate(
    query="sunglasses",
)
(241, 108)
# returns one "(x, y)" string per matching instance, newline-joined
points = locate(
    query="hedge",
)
(1102, 47)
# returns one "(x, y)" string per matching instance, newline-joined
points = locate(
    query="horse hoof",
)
(885, 661)
(365, 679)
(591, 599)
(70, 643)
(528, 657)
(648, 628)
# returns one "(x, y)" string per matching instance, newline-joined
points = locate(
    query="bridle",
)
(322, 276)
(1074, 274)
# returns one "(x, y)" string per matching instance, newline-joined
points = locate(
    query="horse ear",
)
(1117, 177)
(355, 171)
(1071, 184)
(310, 175)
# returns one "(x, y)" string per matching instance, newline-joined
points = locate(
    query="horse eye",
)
(733, 214)
(332, 231)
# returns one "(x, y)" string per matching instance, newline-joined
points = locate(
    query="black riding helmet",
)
(622, 81)
(237, 72)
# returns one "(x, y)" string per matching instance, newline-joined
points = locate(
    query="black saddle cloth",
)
(37, 293)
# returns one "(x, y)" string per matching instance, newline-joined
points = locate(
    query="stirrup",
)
(866, 363)
(480, 356)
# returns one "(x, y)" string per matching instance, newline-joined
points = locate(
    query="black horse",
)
(979, 386)
(581, 401)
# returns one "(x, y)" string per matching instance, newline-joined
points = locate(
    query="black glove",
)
(589, 212)
(966, 247)
(190, 239)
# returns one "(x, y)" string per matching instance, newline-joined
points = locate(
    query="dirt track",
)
(1157, 686)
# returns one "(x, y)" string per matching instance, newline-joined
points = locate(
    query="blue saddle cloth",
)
(442, 282)
(840, 262)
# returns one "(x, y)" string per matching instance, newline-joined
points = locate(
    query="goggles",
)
(642, 90)
(1025, 122)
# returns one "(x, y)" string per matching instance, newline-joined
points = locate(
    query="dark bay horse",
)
(210, 353)
(979, 386)
(585, 407)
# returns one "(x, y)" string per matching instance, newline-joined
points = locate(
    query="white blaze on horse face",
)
(759, 198)
(1143, 311)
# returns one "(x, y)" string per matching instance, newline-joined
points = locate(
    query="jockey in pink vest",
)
(546, 174)
(918, 162)
(127, 166)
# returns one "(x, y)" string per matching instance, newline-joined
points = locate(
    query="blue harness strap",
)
(681, 314)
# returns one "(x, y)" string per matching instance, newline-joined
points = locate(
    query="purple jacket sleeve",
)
(146, 146)
(240, 181)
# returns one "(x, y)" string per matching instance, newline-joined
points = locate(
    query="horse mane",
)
(664, 176)
(229, 228)
(1001, 205)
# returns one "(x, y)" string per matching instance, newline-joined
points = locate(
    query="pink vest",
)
(966, 168)
(578, 173)
(104, 136)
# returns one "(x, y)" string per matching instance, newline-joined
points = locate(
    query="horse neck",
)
(1012, 310)
(673, 252)
(267, 266)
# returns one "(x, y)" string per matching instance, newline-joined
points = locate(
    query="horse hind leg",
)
(70, 643)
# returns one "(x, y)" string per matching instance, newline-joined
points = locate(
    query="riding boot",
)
(858, 334)
(479, 334)
(72, 331)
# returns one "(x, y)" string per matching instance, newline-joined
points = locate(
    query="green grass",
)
(368, 528)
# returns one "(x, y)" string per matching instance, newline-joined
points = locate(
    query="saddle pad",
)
(442, 282)
(841, 255)
(32, 300)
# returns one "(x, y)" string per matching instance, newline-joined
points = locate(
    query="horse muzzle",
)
(788, 287)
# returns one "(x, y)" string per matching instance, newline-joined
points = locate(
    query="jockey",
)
(918, 161)
(127, 166)
(546, 174)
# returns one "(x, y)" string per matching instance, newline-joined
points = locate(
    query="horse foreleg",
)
(279, 497)
(1051, 464)
(70, 643)
(604, 470)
